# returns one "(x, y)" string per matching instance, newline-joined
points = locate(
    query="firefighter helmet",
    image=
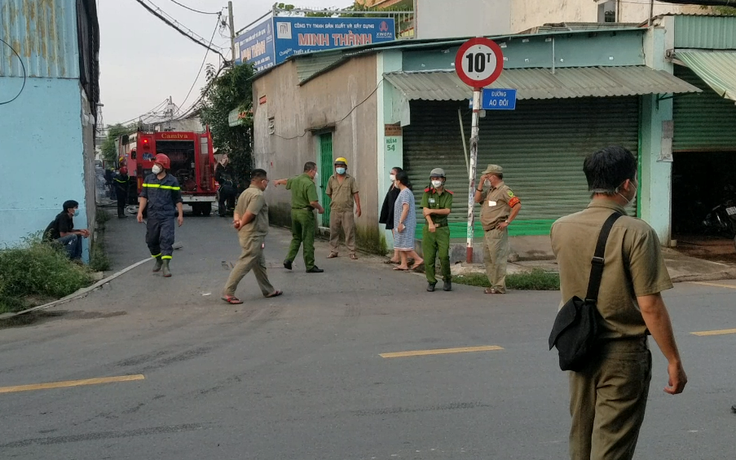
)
(163, 160)
(341, 161)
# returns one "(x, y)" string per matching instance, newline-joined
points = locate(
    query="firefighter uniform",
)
(436, 244)
(303, 192)
(121, 181)
(162, 195)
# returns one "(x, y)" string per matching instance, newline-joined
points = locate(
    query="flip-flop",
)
(332, 255)
(390, 262)
(399, 269)
(274, 294)
(353, 256)
(231, 299)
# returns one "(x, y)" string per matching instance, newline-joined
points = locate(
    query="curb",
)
(76, 295)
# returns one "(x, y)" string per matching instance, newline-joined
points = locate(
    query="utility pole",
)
(232, 30)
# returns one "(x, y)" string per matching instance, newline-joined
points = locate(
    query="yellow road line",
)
(71, 383)
(439, 351)
(702, 283)
(718, 332)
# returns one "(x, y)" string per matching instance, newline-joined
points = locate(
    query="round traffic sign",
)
(479, 62)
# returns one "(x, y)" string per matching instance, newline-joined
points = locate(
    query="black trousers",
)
(122, 196)
(227, 194)
(160, 236)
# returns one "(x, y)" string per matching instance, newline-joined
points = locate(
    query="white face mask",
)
(392, 177)
(633, 197)
(436, 183)
(157, 169)
(316, 176)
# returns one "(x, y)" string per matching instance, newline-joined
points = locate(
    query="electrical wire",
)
(192, 9)
(175, 27)
(25, 74)
(192, 107)
(204, 59)
(164, 102)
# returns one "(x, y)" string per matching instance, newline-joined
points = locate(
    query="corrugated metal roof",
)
(707, 32)
(44, 33)
(311, 65)
(543, 84)
(716, 68)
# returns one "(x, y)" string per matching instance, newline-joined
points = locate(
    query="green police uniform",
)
(303, 192)
(437, 243)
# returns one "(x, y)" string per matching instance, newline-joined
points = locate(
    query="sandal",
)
(353, 257)
(401, 269)
(491, 291)
(332, 255)
(275, 293)
(231, 299)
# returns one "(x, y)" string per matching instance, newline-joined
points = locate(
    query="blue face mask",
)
(340, 171)
(76, 212)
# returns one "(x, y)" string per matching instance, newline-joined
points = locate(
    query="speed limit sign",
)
(479, 62)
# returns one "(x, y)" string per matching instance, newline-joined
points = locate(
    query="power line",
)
(164, 102)
(202, 96)
(192, 9)
(25, 74)
(178, 27)
(204, 59)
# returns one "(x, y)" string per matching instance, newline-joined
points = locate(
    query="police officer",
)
(121, 182)
(436, 206)
(162, 194)
(499, 208)
(303, 202)
(343, 192)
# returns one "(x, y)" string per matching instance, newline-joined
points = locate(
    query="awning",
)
(716, 68)
(543, 84)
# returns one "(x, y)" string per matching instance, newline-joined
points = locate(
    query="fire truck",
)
(192, 163)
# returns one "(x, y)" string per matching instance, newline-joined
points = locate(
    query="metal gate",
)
(325, 171)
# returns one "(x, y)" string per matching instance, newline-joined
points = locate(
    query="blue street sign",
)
(498, 99)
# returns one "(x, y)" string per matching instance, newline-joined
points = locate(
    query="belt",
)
(441, 225)
(301, 209)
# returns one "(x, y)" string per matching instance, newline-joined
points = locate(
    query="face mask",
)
(156, 169)
(76, 212)
(436, 183)
(628, 201)
(392, 177)
(316, 176)
(340, 171)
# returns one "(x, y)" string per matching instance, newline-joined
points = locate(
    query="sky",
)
(143, 61)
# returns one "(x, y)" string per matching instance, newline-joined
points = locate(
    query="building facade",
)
(49, 81)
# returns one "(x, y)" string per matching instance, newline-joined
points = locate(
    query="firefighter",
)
(162, 194)
(121, 183)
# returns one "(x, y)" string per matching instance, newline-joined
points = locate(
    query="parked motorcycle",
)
(722, 220)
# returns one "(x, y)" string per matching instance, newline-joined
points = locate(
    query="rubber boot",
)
(167, 272)
(158, 264)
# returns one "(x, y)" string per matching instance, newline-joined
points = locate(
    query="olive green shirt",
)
(342, 195)
(433, 200)
(252, 200)
(303, 191)
(496, 204)
(634, 265)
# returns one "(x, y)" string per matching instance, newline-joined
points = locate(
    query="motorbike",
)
(722, 220)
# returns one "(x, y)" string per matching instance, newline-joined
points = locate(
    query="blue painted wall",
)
(41, 156)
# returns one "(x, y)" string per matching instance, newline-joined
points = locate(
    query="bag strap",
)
(596, 268)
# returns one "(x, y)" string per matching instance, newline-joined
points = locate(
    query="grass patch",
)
(98, 260)
(535, 280)
(37, 270)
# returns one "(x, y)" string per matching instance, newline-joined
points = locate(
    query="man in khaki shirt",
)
(343, 192)
(499, 207)
(608, 397)
(251, 221)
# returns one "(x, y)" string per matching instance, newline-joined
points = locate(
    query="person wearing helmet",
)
(436, 206)
(162, 194)
(121, 182)
(343, 192)
(499, 207)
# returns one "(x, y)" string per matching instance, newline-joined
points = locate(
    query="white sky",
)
(144, 61)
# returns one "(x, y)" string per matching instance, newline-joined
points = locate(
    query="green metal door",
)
(540, 145)
(325, 171)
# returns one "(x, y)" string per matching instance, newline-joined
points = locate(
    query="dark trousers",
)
(73, 245)
(227, 194)
(160, 236)
(122, 196)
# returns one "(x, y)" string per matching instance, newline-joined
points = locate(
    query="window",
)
(607, 11)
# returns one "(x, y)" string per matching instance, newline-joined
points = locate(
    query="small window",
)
(607, 11)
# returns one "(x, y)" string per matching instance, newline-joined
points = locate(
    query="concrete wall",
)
(42, 157)
(462, 18)
(342, 101)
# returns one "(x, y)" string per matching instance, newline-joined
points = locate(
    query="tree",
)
(109, 145)
(224, 93)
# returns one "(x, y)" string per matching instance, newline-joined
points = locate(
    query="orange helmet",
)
(163, 160)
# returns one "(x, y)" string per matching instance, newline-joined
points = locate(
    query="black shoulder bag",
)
(575, 332)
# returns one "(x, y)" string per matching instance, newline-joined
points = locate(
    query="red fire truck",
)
(192, 163)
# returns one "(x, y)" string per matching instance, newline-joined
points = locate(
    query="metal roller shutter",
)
(703, 121)
(541, 146)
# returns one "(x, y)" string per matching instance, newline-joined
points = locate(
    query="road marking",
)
(702, 283)
(439, 351)
(71, 383)
(718, 332)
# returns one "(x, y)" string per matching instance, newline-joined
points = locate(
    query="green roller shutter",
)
(540, 145)
(703, 121)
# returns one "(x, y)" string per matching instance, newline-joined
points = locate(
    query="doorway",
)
(325, 171)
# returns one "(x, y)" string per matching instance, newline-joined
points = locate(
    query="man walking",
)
(251, 222)
(343, 192)
(303, 202)
(436, 206)
(62, 230)
(499, 207)
(608, 397)
(121, 181)
(162, 194)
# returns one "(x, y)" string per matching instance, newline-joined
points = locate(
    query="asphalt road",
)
(301, 376)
